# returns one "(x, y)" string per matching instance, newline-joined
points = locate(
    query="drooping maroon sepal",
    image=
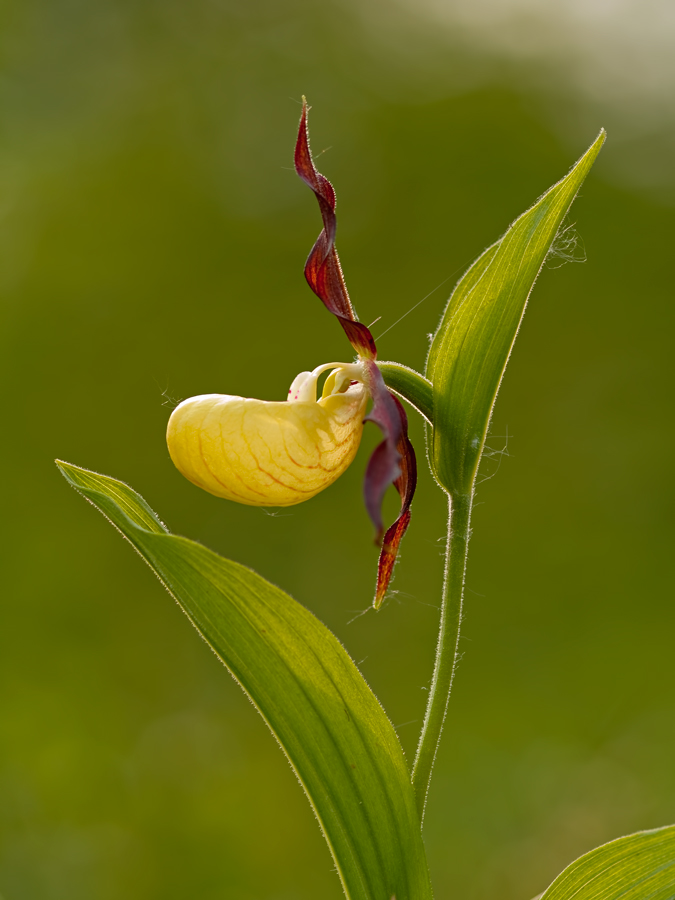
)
(322, 270)
(393, 462)
(405, 484)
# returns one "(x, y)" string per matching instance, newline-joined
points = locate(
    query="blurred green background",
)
(153, 237)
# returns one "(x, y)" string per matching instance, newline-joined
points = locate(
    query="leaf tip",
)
(64, 468)
(595, 147)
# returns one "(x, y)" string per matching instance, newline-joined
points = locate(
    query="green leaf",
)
(470, 350)
(638, 867)
(315, 701)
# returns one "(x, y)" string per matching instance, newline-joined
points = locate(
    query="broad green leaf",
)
(470, 350)
(638, 867)
(316, 703)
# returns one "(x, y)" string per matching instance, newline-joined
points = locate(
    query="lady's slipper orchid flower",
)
(266, 453)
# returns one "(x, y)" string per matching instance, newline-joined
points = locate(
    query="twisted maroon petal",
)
(405, 484)
(322, 270)
(393, 462)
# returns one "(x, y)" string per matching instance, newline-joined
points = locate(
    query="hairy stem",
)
(459, 521)
(411, 386)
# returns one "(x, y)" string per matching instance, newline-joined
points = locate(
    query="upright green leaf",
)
(470, 350)
(638, 867)
(329, 723)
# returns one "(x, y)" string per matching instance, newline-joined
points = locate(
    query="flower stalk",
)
(447, 648)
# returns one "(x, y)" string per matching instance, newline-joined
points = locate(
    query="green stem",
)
(459, 521)
(411, 386)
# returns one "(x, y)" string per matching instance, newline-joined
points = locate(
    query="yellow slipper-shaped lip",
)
(269, 453)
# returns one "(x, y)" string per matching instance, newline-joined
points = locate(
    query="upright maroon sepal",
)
(322, 269)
